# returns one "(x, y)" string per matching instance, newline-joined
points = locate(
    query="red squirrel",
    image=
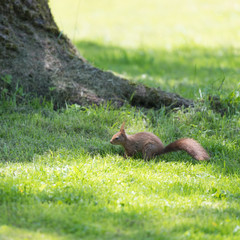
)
(150, 145)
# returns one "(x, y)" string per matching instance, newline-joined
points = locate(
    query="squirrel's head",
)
(120, 137)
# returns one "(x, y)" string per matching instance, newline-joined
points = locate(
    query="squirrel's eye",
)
(116, 138)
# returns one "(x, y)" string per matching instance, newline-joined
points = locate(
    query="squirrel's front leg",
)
(127, 155)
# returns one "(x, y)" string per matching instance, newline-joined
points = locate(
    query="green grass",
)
(185, 70)
(60, 178)
(154, 23)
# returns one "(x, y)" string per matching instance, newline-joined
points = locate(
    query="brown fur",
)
(150, 145)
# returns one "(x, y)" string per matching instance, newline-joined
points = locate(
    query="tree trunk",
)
(42, 60)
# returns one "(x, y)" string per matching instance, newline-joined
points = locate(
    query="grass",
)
(61, 179)
(139, 23)
(185, 70)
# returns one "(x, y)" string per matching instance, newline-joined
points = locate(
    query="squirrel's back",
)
(143, 138)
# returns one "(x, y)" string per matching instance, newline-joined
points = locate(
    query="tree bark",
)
(43, 60)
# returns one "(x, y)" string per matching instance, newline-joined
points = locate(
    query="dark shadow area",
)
(45, 130)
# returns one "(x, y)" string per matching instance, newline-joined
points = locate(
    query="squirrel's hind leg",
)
(149, 151)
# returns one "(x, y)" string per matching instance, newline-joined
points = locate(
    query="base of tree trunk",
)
(42, 60)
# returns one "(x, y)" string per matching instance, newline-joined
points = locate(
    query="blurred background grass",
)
(185, 46)
(154, 23)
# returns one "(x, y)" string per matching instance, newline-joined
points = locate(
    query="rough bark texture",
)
(44, 62)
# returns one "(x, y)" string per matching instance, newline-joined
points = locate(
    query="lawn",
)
(60, 178)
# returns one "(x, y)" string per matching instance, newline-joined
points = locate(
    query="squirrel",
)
(150, 145)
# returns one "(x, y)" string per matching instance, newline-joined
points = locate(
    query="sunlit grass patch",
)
(157, 23)
(83, 196)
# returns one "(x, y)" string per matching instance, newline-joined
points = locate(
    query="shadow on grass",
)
(184, 69)
(25, 135)
(82, 132)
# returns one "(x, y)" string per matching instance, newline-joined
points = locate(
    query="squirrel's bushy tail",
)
(188, 145)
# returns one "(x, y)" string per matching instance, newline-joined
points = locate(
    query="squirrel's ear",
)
(122, 128)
